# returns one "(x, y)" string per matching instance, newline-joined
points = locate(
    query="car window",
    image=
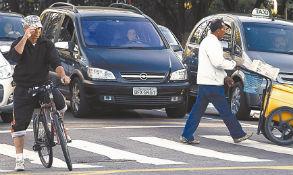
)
(120, 32)
(67, 29)
(197, 35)
(11, 27)
(51, 28)
(268, 37)
(169, 36)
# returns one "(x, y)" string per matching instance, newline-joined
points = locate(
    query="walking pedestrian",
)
(211, 76)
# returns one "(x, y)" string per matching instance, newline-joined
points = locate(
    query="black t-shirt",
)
(32, 66)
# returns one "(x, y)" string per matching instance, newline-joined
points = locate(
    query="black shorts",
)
(24, 105)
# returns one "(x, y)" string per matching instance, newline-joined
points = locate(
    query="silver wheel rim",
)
(75, 97)
(235, 100)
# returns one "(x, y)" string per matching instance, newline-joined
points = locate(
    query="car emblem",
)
(143, 76)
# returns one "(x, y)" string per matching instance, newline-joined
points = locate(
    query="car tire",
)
(7, 117)
(191, 101)
(238, 102)
(177, 112)
(79, 106)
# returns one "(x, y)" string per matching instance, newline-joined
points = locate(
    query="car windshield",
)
(120, 32)
(11, 27)
(268, 37)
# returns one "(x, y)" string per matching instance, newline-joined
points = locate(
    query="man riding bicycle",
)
(34, 55)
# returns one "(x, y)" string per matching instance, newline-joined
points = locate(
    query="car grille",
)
(142, 77)
(286, 78)
(145, 101)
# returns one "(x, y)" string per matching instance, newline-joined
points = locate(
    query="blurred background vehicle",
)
(172, 40)
(11, 28)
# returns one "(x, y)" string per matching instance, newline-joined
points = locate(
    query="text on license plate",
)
(152, 91)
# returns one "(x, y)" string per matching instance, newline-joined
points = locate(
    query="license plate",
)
(147, 91)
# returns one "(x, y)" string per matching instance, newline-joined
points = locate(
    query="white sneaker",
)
(19, 165)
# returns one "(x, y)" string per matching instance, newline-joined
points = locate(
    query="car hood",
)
(133, 60)
(279, 60)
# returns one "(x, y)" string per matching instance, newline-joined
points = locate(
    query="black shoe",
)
(190, 142)
(247, 136)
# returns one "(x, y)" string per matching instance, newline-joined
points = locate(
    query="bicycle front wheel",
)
(62, 139)
(43, 139)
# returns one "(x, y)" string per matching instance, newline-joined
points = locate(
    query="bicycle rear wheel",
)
(43, 139)
(62, 139)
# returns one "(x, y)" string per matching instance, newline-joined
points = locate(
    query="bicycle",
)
(48, 124)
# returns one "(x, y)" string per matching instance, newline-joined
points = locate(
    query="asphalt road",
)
(146, 142)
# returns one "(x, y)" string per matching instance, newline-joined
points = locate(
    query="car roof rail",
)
(64, 4)
(126, 6)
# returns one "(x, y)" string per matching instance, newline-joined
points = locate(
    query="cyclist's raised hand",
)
(65, 80)
(28, 32)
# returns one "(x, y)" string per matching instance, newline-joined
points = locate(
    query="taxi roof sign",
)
(261, 13)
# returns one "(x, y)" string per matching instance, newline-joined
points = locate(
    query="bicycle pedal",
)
(37, 147)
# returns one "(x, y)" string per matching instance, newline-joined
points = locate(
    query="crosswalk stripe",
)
(113, 153)
(33, 157)
(5, 171)
(195, 150)
(254, 144)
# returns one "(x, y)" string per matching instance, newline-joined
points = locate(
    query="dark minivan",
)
(117, 58)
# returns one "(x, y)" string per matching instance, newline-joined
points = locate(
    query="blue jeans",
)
(215, 95)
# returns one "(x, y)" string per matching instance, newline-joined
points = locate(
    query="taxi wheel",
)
(7, 117)
(278, 126)
(238, 104)
(79, 106)
(177, 112)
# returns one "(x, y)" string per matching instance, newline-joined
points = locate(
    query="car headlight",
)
(100, 74)
(6, 71)
(179, 75)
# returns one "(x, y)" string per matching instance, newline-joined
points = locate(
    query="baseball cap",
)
(216, 24)
(33, 21)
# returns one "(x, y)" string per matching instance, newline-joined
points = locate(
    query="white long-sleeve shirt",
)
(211, 62)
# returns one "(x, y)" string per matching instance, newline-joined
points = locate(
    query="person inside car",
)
(9, 32)
(280, 43)
(33, 55)
(132, 36)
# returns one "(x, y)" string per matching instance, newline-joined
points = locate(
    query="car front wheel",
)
(78, 102)
(7, 117)
(177, 112)
(239, 105)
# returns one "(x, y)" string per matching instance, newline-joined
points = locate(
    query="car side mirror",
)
(238, 50)
(71, 46)
(175, 47)
(225, 45)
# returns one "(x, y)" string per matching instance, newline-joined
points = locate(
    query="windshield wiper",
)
(142, 48)
(290, 52)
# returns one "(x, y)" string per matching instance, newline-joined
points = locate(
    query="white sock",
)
(19, 156)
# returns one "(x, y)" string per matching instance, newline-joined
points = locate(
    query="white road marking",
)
(9, 131)
(33, 157)
(253, 144)
(5, 171)
(195, 150)
(113, 153)
(138, 127)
